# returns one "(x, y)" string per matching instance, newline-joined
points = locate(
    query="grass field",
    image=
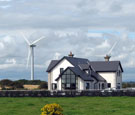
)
(71, 106)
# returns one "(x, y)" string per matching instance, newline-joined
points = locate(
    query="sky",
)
(88, 28)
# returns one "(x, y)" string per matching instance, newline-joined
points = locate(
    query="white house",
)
(71, 73)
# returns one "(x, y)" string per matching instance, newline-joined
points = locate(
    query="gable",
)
(78, 73)
(74, 61)
(63, 63)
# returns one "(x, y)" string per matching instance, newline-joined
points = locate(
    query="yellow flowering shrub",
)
(52, 109)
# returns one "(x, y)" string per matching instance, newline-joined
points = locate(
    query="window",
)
(69, 80)
(109, 85)
(103, 86)
(118, 87)
(54, 86)
(87, 71)
(87, 85)
(63, 79)
(61, 70)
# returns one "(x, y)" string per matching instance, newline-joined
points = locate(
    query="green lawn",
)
(71, 106)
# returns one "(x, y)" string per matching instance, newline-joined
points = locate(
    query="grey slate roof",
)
(77, 71)
(97, 76)
(52, 64)
(72, 60)
(84, 66)
(81, 73)
(106, 66)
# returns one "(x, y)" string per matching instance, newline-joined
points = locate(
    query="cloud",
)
(103, 44)
(85, 27)
(5, 0)
(57, 55)
(72, 14)
(5, 7)
(11, 61)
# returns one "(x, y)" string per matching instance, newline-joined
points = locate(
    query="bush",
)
(52, 109)
(43, 85)
(5, 82)
(23, 81)
(16, 85)
(30, 82)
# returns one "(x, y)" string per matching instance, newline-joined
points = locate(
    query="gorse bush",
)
(52, 109)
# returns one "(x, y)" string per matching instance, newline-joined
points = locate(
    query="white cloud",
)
(11, 61)
(5, 7)
(103, 44)
(95, 35)
(57, 55)
(5, 0)
(1, 46)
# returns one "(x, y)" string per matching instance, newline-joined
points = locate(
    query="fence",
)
(41, 93)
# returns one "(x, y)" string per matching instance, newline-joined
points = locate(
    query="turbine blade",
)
(24, 37)
(28, 58)
(38, 39)
(110, 51)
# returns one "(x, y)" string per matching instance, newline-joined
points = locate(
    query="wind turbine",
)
(108, 55)
(31, 53)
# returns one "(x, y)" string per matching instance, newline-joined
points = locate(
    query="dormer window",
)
(61, 70)
(87, 71)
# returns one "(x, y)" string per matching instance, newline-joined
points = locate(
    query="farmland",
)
(71, 106)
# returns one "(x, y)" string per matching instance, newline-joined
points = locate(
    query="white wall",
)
(110, 77)
(56, 71)
(59, 84)
(81, 84)
(49, 81)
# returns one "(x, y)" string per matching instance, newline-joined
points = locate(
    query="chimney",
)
(71, 54)
(107, 58)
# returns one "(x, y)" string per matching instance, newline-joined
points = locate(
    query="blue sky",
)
(85, 27)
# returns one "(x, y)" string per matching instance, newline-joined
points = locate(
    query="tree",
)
(16, 85)
(5, 82)
(43, 85)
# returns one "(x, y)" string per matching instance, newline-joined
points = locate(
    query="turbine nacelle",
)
(32, 45)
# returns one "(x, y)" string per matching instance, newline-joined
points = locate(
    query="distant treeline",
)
(128, 84)
(18, 84)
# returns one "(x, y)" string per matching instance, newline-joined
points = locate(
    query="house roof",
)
(86, 77)
(52, 64)
(97, 76)
(79, 73)
(106, 66)
(84, 66)
(74, 61)
(98, 66)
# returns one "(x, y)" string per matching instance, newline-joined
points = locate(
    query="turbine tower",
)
(31, 53)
